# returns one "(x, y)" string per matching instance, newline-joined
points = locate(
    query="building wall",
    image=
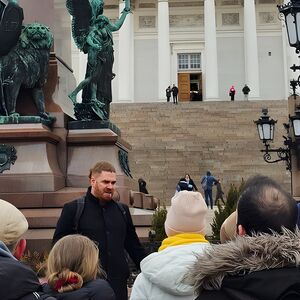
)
(271, 67)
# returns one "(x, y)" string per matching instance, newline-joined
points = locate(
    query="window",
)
(189, 61)
(183, 61)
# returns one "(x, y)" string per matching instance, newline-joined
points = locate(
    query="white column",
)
(126, 58)
(250, 45)
(163, 49)
(211, 62)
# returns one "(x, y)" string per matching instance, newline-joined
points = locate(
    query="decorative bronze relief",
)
(123, 160)
(7, 157)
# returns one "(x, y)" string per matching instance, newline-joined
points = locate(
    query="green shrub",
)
(222, 213)
(158, 223)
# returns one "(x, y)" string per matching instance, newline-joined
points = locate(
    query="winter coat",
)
(98, 289)
(210, 181)
(105, 223)
(246, 90)
(262, 267)
(163, 272)
(17, 280)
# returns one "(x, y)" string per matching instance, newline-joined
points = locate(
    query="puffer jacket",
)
(163, 272)
(261, 267)
(17, 281)
(98, 289)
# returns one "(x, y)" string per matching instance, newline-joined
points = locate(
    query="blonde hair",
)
(73, 260)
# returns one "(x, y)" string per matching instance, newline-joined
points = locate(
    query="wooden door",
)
(184, 86)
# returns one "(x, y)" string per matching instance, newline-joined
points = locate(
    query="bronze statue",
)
(92, 33)
(26, 65)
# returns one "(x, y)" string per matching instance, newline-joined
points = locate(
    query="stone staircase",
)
(170, 140)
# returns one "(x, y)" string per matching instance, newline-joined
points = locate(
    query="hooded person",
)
(162, 272)
(17, 281)
(262, 261)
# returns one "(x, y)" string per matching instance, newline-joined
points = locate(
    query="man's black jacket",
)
(103, 222)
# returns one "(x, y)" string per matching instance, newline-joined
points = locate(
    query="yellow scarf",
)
(182, 239)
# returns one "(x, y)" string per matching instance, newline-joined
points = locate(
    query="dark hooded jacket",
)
(98, 289)
(262, 267)
(17, 281)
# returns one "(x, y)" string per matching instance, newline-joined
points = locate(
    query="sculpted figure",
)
(92, 33)
(26, 65)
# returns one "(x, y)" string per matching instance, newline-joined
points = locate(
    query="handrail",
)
(64, 63)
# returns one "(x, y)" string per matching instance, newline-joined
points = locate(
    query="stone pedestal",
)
(36, 168)
(86, 147)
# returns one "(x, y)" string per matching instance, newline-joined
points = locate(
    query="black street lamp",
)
(266, 128)
(291, 14)
(295, 121)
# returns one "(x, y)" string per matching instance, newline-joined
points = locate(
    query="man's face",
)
(103, 185)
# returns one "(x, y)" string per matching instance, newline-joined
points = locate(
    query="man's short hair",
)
(102, 166)
(13, 224)
(264, 206)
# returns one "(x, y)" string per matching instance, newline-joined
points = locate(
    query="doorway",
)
(190, 86)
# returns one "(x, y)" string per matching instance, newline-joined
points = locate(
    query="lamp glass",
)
(291, 28)
(296, 126)
(267, 132)
(260, 131)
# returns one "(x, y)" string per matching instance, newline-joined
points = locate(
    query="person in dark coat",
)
(246, 91)
(17, 281)
(183, 185)
(104, 221)
(189, 180)
(232, 93)
(142, 186)
(168, 93)
(175, 94)
(262, 262)
(207, 183)
(220, 193)
(73, 268)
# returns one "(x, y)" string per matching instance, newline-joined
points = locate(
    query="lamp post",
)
(266, 128)
(291, 13)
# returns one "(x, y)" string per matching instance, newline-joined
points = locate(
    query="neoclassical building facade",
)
(202, 46)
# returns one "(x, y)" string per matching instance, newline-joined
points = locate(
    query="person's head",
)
(97, 7)
(208, 173)
(264, 206)
(73, 261)
(13, 226)
(187, 177)
(228, 228)
(187, 214)
(103, 180)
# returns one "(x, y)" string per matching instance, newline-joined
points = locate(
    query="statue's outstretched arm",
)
(117, 25)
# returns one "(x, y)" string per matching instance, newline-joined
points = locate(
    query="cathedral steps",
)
(170, 140)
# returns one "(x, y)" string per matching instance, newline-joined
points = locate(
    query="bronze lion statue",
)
(26, 65)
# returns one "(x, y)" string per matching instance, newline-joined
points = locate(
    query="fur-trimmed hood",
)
(245, 255)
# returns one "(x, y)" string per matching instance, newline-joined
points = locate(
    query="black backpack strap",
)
(79, 209)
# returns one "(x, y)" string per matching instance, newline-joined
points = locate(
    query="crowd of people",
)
(257, 258)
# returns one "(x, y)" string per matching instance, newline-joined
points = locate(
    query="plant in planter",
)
(225, 211)
(37, 261)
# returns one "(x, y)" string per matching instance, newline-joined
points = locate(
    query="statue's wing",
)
(11, 19)
(81, 12)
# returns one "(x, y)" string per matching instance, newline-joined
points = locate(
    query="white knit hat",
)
(13, 223)
(187, 214)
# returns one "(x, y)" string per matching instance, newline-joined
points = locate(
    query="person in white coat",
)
(163, 273)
